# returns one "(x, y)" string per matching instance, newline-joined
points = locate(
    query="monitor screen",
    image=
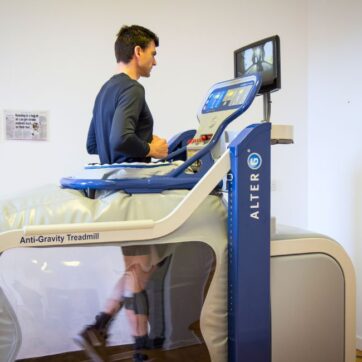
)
(262, 56)
(226, 98)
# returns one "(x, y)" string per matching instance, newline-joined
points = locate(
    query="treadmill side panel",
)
(307, 298)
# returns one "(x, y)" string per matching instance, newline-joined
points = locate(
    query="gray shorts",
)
(135, 250)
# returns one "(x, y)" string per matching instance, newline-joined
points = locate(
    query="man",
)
(121, 130)
(122, 125)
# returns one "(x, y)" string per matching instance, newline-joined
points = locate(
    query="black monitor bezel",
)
(276, 85)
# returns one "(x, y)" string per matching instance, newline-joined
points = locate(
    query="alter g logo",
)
(254, 161)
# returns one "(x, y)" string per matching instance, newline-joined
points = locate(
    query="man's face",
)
(147, 59)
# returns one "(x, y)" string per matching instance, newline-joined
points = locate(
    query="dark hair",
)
(129, 37)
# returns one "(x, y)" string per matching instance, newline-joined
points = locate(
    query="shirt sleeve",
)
(123, 137)
(91, 140)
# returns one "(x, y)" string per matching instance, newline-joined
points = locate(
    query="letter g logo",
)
(254, 161)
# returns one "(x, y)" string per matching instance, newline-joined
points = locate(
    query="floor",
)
(197, 353)
(118, 355)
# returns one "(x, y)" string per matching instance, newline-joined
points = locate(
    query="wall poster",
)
(26, 125)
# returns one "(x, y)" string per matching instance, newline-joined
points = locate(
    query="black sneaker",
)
(140, 357)
(155, 343)
(93, 342)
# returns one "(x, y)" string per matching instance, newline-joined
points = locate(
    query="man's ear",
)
(137, 51)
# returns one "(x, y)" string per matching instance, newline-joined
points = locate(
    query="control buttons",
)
(204, 138)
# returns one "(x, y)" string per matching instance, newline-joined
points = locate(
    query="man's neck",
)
(128, 69)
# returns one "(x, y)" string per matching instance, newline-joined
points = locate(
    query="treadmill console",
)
(222, 101)
(225, 98)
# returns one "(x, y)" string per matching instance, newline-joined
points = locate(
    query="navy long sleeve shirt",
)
(122, 124)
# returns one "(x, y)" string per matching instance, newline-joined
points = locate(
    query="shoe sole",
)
(88, 349)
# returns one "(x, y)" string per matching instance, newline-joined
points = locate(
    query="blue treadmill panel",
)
(228, 97)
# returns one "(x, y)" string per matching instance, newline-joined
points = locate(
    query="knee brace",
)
(128, 303)
(138, 303)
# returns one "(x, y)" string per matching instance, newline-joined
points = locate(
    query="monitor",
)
(262, 56)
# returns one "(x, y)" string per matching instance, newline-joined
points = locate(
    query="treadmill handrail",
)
(123, 231)
(159, 228)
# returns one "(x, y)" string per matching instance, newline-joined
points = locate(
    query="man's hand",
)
(158, 147)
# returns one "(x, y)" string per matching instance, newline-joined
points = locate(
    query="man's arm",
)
(91, 140)
(123, 137)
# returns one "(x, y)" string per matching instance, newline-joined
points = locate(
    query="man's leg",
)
(129, 290)
(156, 293)
(136, 305)
(93, 338)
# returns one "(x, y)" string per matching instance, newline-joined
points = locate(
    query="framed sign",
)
(26, 125)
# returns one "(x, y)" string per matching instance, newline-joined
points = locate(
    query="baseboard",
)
(359, 343)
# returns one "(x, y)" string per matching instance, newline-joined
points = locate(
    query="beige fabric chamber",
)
(53, 205)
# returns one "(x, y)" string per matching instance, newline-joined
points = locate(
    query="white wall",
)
(55, 55)
(335, 127)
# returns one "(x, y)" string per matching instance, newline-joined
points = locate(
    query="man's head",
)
(139, 43)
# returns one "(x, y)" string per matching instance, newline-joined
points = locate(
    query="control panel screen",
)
(226, 98)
